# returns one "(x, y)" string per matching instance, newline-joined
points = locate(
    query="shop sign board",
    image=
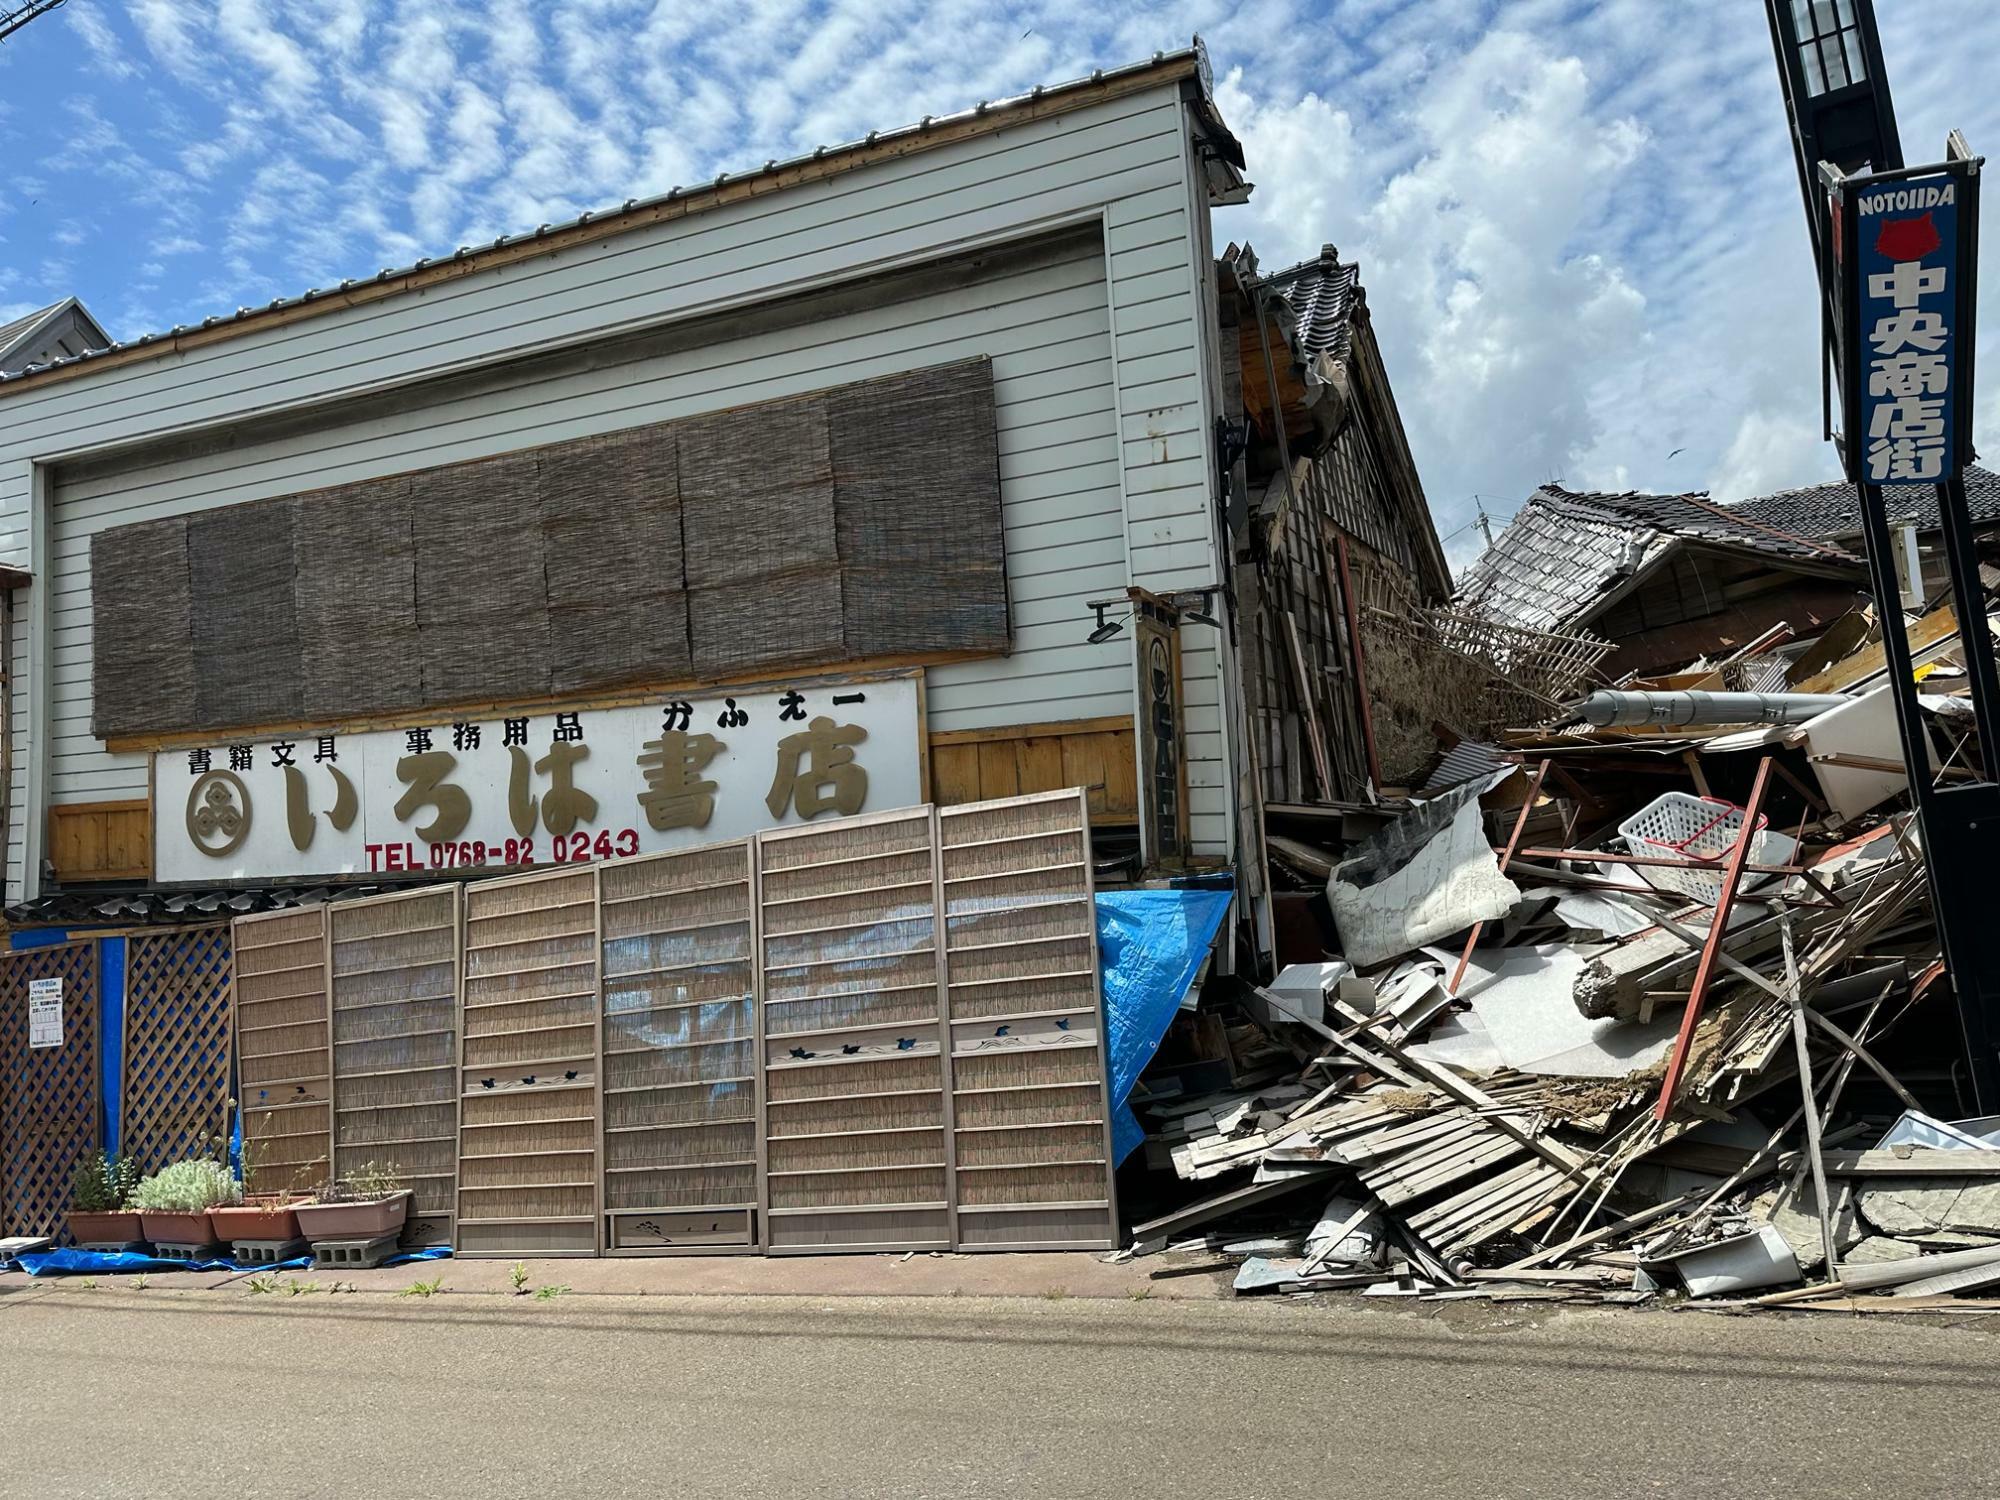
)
(549, 787)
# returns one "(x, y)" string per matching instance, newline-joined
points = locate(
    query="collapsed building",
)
(1637, 995)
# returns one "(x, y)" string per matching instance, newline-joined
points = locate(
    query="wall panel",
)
(528, 1115)
(858, 1124)
(681, 1134)
(1030, 1090)
(394, 965)
(284, 1060)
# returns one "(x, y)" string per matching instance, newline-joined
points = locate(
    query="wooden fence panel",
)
(284, 1064)
(394, 963)
(1030, 1087)
(858, 1123)
(528, 1111)
(178, 997)
(681, 1139)
(50, 1112)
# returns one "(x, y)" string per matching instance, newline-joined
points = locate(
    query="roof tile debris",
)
(1564, 548)
(1323, 293)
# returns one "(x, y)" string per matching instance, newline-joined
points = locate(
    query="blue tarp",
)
(119, 1262)
(1152, 943)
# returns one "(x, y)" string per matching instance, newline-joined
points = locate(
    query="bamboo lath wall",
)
(1030, 1100)
(393, 962)
(49, 1110)
(528, 1113)
(857, 1121)
(681, 1141)
(178, 994)
(284, 1064)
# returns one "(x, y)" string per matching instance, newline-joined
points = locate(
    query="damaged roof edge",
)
(824, 162)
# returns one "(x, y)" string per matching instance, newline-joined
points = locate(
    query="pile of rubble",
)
(1643, 1004)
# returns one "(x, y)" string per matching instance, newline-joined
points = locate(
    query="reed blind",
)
(394, 967)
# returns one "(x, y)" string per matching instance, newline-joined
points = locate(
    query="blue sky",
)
(1578, 222)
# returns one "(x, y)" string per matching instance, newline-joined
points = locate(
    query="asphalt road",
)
(163, 1395)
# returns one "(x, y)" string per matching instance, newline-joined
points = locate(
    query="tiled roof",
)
(1833, 511)
(1564, 548)
(1323, 294)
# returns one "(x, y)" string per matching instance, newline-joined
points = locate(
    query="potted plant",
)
(174, 1202)
(260, 1216)
(365, 1204)
(99, 1190)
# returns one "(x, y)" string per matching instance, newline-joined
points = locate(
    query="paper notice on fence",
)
(45, 1012)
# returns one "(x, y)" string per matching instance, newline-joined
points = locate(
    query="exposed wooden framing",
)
(1711, 949)
(1360, 659)
(1315, 737)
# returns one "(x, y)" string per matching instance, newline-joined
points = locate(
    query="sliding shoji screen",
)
(680, 1052)
(394, 965)
(1030, 1095)
(527, 1153)
(856, 1117)
(284, 1076)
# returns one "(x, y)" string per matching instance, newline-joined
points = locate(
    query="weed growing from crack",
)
(549, 1293)
(423, 1288)
(518, 1274)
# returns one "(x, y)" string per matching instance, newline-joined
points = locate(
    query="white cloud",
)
(1578, 223)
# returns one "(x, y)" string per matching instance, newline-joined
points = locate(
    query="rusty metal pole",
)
(1506, 858)
(1732, 877)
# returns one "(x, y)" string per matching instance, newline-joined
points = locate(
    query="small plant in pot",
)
(174, 1203)
(264, 1216)
(99, 1191)
(364, 1204)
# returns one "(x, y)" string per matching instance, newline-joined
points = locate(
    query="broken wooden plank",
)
(1210, 1209)
(1913, 1161)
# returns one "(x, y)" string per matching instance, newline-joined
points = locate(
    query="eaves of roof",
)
(819, 165)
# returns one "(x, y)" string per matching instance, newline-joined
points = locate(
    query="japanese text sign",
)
(45, 1012)
(1905, 410)
(547, 787)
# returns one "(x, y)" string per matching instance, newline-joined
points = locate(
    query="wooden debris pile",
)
(1618, 1016)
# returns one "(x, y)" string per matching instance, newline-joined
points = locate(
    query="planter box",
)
(255, 1222)
(114, 1227)
(353, 1221)
(178, 1229)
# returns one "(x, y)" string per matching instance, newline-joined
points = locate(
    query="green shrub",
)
(187, 1187)
(103, 1183)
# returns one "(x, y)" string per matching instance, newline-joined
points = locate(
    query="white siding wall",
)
(1102, 435)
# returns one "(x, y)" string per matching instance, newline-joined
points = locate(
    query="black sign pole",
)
(1961, 822)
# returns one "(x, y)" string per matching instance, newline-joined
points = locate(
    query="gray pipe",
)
(1629, 710)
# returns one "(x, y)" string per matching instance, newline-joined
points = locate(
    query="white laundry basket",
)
(1680, 825)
